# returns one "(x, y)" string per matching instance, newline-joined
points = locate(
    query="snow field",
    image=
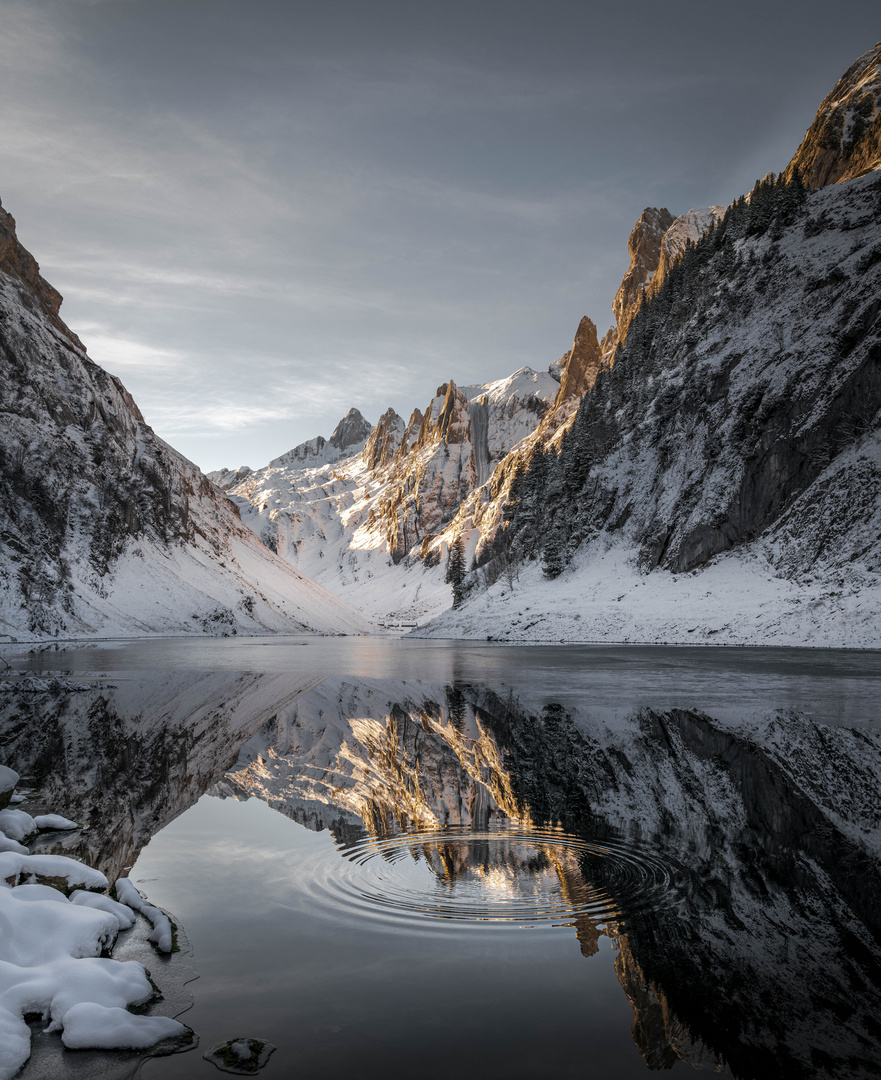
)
(737, 599)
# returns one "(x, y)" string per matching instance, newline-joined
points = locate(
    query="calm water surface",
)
(402, 858)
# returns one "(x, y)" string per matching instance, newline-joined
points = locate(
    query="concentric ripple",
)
(511, 874)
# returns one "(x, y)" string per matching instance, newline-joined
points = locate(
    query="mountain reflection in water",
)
(735, 869)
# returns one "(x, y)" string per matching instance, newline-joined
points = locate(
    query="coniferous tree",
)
(455, 575)
(553, 558)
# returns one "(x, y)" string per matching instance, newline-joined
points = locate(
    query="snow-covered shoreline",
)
(603, 598)
(57, 929)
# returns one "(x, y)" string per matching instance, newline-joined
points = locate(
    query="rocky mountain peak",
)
(582, 364)
(844, 140)
(16, 261)
(644, 247)
(384, 439)
(351, 430)
(688, 227)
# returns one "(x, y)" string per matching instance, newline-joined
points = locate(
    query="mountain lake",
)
(397, 858)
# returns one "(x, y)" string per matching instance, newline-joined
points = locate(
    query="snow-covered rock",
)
(161, 935)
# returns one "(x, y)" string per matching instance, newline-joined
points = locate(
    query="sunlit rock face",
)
(385, 439)
(644, 248)
(844, 141)
(105, 528)
(581, 367)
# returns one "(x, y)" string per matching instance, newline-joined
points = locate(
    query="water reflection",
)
(736, 870)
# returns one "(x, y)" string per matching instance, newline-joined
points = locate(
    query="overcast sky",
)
(262, 213)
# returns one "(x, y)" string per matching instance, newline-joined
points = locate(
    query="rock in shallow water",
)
(242, 1057)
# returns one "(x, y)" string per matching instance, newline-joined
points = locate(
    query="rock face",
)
(385, 439)
(685, 229)
(657, 241)
(352, 431)
(104, 527)
(581, 367)
(644, 247)
(19, 264)
(844, 140)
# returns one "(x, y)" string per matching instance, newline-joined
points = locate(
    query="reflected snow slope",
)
(732, 867)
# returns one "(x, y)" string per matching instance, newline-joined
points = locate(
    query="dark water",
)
(432, 859)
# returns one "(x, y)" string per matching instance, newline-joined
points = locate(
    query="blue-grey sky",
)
(262, 213)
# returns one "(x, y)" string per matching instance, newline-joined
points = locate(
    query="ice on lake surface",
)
(412, 858)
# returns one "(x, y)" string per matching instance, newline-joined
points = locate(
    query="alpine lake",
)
(394, 858)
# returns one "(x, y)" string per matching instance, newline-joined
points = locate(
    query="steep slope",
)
(732, 433)
(106, 529)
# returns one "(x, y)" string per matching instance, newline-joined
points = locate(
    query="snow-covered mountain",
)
(368, 519)
(105, 528)
(732, 435)
(725, 427)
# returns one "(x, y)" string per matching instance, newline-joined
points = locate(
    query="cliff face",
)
(104, 527)
(844, 141)
(644, 247)
(20, 265)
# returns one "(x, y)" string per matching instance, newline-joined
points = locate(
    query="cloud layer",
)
(260, 215)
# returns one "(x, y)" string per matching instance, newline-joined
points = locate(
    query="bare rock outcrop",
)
(16, 261)
(844, 140)
(351, 431)
(644, 245)
(582, 364)
(687, 228)
(384, 439)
